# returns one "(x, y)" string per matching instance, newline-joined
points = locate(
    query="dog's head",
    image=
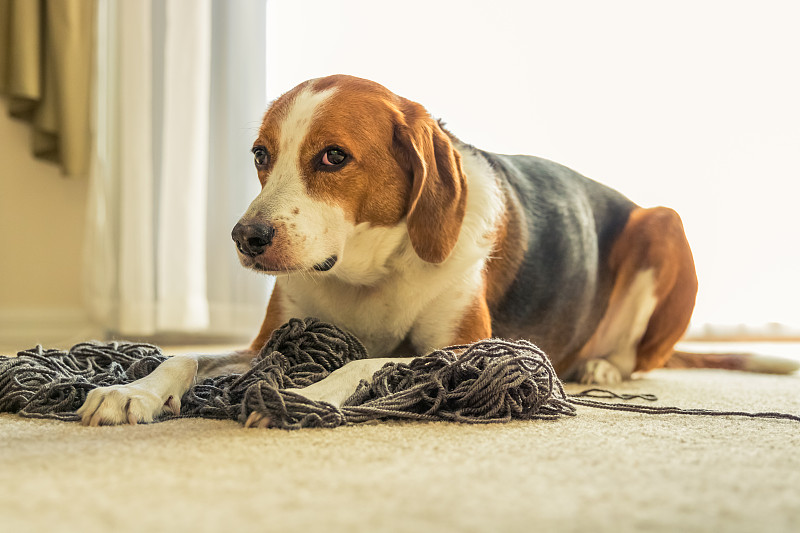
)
(339, 155)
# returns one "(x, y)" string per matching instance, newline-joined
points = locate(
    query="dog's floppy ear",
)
(439, 188)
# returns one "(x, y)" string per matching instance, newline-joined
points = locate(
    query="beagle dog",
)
(377, 219)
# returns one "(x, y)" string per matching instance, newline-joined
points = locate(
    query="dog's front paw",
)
(124, 404)
(598, 372)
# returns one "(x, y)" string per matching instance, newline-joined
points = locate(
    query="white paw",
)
(598, 372)
(342, 382)
(124, 404)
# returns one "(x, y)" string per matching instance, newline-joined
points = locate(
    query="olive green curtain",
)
(46, 75)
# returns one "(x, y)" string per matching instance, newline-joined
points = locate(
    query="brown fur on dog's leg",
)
(272, 321)
(476, 324)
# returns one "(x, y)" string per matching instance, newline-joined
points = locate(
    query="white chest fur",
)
(392, 300)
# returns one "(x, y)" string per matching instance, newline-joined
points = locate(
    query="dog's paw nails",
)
(174, 405)
(257, 420)
(94, 421)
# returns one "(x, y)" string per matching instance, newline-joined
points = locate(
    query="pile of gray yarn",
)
(489, 381)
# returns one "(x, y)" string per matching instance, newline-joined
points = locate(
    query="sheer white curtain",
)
(180, 93)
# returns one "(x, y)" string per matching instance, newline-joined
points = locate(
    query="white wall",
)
(41, 245)
(689, 104)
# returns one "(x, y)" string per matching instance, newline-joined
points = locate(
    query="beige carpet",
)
(600, 471)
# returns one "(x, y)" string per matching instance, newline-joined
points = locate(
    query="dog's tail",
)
(748, 362)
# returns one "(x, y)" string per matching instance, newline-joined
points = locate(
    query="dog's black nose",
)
(252, 239)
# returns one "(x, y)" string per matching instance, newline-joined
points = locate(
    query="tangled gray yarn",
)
(299, 353)
(493, 380)
(490, 381)
(41, 383)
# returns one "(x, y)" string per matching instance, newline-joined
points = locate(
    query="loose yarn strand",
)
(664, 410)
(584, 398)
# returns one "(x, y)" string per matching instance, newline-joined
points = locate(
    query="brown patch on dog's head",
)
(358, 119)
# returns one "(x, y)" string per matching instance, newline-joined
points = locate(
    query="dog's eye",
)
(333, 157)
(260, 155)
